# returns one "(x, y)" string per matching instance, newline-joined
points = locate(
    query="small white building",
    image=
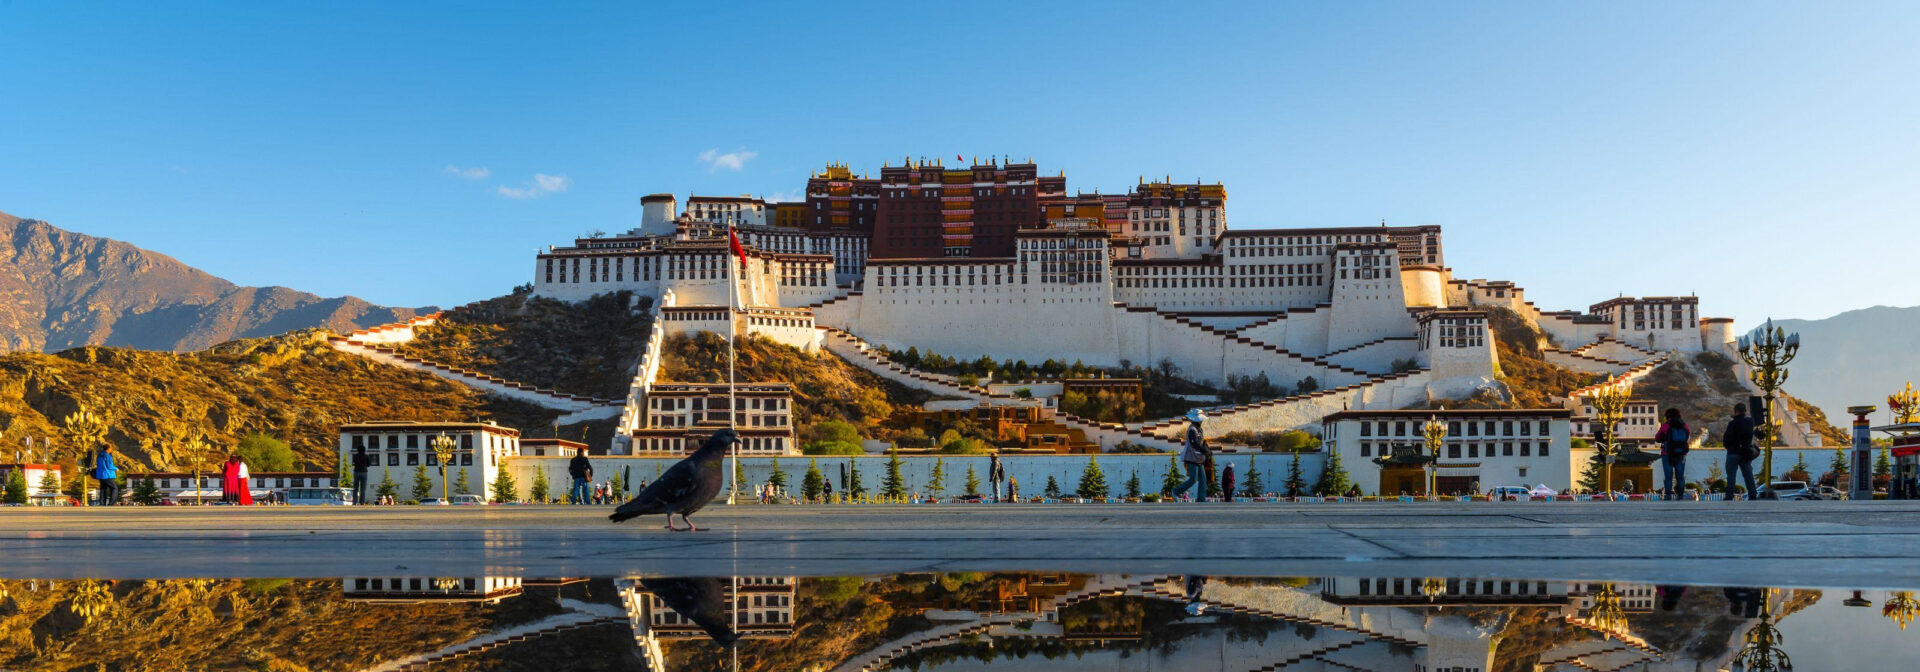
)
(180, 487)
(34, 473)
(401, 447)
(757, 607)
(1484, 448)
(680, 416)
(421, 589)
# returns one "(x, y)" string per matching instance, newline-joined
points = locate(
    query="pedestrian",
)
(1196, 584)
(1226, 484)
(582, 472)
(361, 462)
(230, 480)
(246, 484)
(103, 469)
(1673, 439)
(826, 492)
(1738, 438)
(1195, 455)
(994, 474)
(1013, 490)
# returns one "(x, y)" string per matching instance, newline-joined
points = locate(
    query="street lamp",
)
(1606, 614)
(442, 446)
(196, 454)
(1901, 608)
(84, 429)
(1762, 653)
(1767, 353)
(1905, 406)
(1434, 433)
(1609, 406)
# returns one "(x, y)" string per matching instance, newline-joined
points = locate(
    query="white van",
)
(319, 497)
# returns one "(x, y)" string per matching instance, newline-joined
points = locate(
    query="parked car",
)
(468, 500)
(1787, 490)
(433, 501)
(1509, 493)
(1829, 493)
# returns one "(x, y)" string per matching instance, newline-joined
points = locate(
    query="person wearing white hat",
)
(1195, 457)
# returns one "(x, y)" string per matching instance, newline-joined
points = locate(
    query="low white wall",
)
(1030, 471)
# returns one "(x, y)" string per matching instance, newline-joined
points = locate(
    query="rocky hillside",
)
(825, 387)
(261, 624)
(60, 290)
(293, 387)
(583, 348)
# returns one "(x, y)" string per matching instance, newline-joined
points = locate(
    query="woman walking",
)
(230, 480)
(1674, 440)
(1195, 456)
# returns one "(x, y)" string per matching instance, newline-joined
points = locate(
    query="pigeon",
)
(700, 601)
(686, 487)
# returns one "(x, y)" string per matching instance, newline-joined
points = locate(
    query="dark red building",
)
(837, 200)
(927, 210)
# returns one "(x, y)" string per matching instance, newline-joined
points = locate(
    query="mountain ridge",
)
(1855, 357)
(61, 289)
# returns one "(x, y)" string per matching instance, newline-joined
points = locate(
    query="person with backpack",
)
(107, 473)
(581, 470)
(1738, 438)
(1195, 456)
(1673, 438)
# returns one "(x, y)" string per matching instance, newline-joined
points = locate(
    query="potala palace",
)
(994, 260)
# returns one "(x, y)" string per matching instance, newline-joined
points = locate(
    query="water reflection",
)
(949, 622)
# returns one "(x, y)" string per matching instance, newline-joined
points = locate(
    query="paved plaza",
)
(1865, 544)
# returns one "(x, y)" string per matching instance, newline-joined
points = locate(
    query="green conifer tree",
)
(16, 492)
(422, 484)
(1882, 464)
(541, 488)
(343, 475)
(1334, 480)
(1173, 478)
(1133, 484)
(1296, 483)
(1839, 465)
(1053, 488)
(504, 489)
(855, 488)
(779, 476)
(893, 485)
(387, 487)
(617, 484)
(145, 492)
(937, 482)
(460, 486)
(813, 483)
(1253, 486)
(1590, 476)
(973, 481)
(1093, 481)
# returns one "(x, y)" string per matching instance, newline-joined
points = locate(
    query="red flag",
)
(957, 157)
(733, 241)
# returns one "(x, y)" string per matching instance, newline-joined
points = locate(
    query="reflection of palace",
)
(757, 607)
(417, 589)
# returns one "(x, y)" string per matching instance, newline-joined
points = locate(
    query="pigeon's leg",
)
(690, 527)
(670, 526)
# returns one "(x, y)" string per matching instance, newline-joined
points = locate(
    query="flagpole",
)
(733, 337)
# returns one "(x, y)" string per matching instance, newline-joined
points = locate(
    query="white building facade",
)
(401, 448)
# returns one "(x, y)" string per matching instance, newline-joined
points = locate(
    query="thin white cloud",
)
(540, 186)
(734, 161)
(788, 196)
(474, 173)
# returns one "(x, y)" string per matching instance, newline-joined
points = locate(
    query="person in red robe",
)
(230, 483)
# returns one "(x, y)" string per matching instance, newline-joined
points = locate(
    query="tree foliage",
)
(504, 489)
(1296, 482)
(1053, 486)
(1252, 486)
(542, 490)
(16, 492)
(265, 453)
(387, 487)
(973, 481)
(812, 483)
(1093, 481)
(422, 484)
(937, 481)
(893, 485)
(1334, 480)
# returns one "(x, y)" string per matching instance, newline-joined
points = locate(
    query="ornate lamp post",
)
(1905, 406)
(1762, 653)
(85, 430)
(1433, 588)
(1606, 613)
(1767, 353)
(442, 446)
(1901, 607)
(1609, 405)
(1434, 433)
(196, 454)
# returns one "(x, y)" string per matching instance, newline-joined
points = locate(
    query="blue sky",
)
(1760, 154)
